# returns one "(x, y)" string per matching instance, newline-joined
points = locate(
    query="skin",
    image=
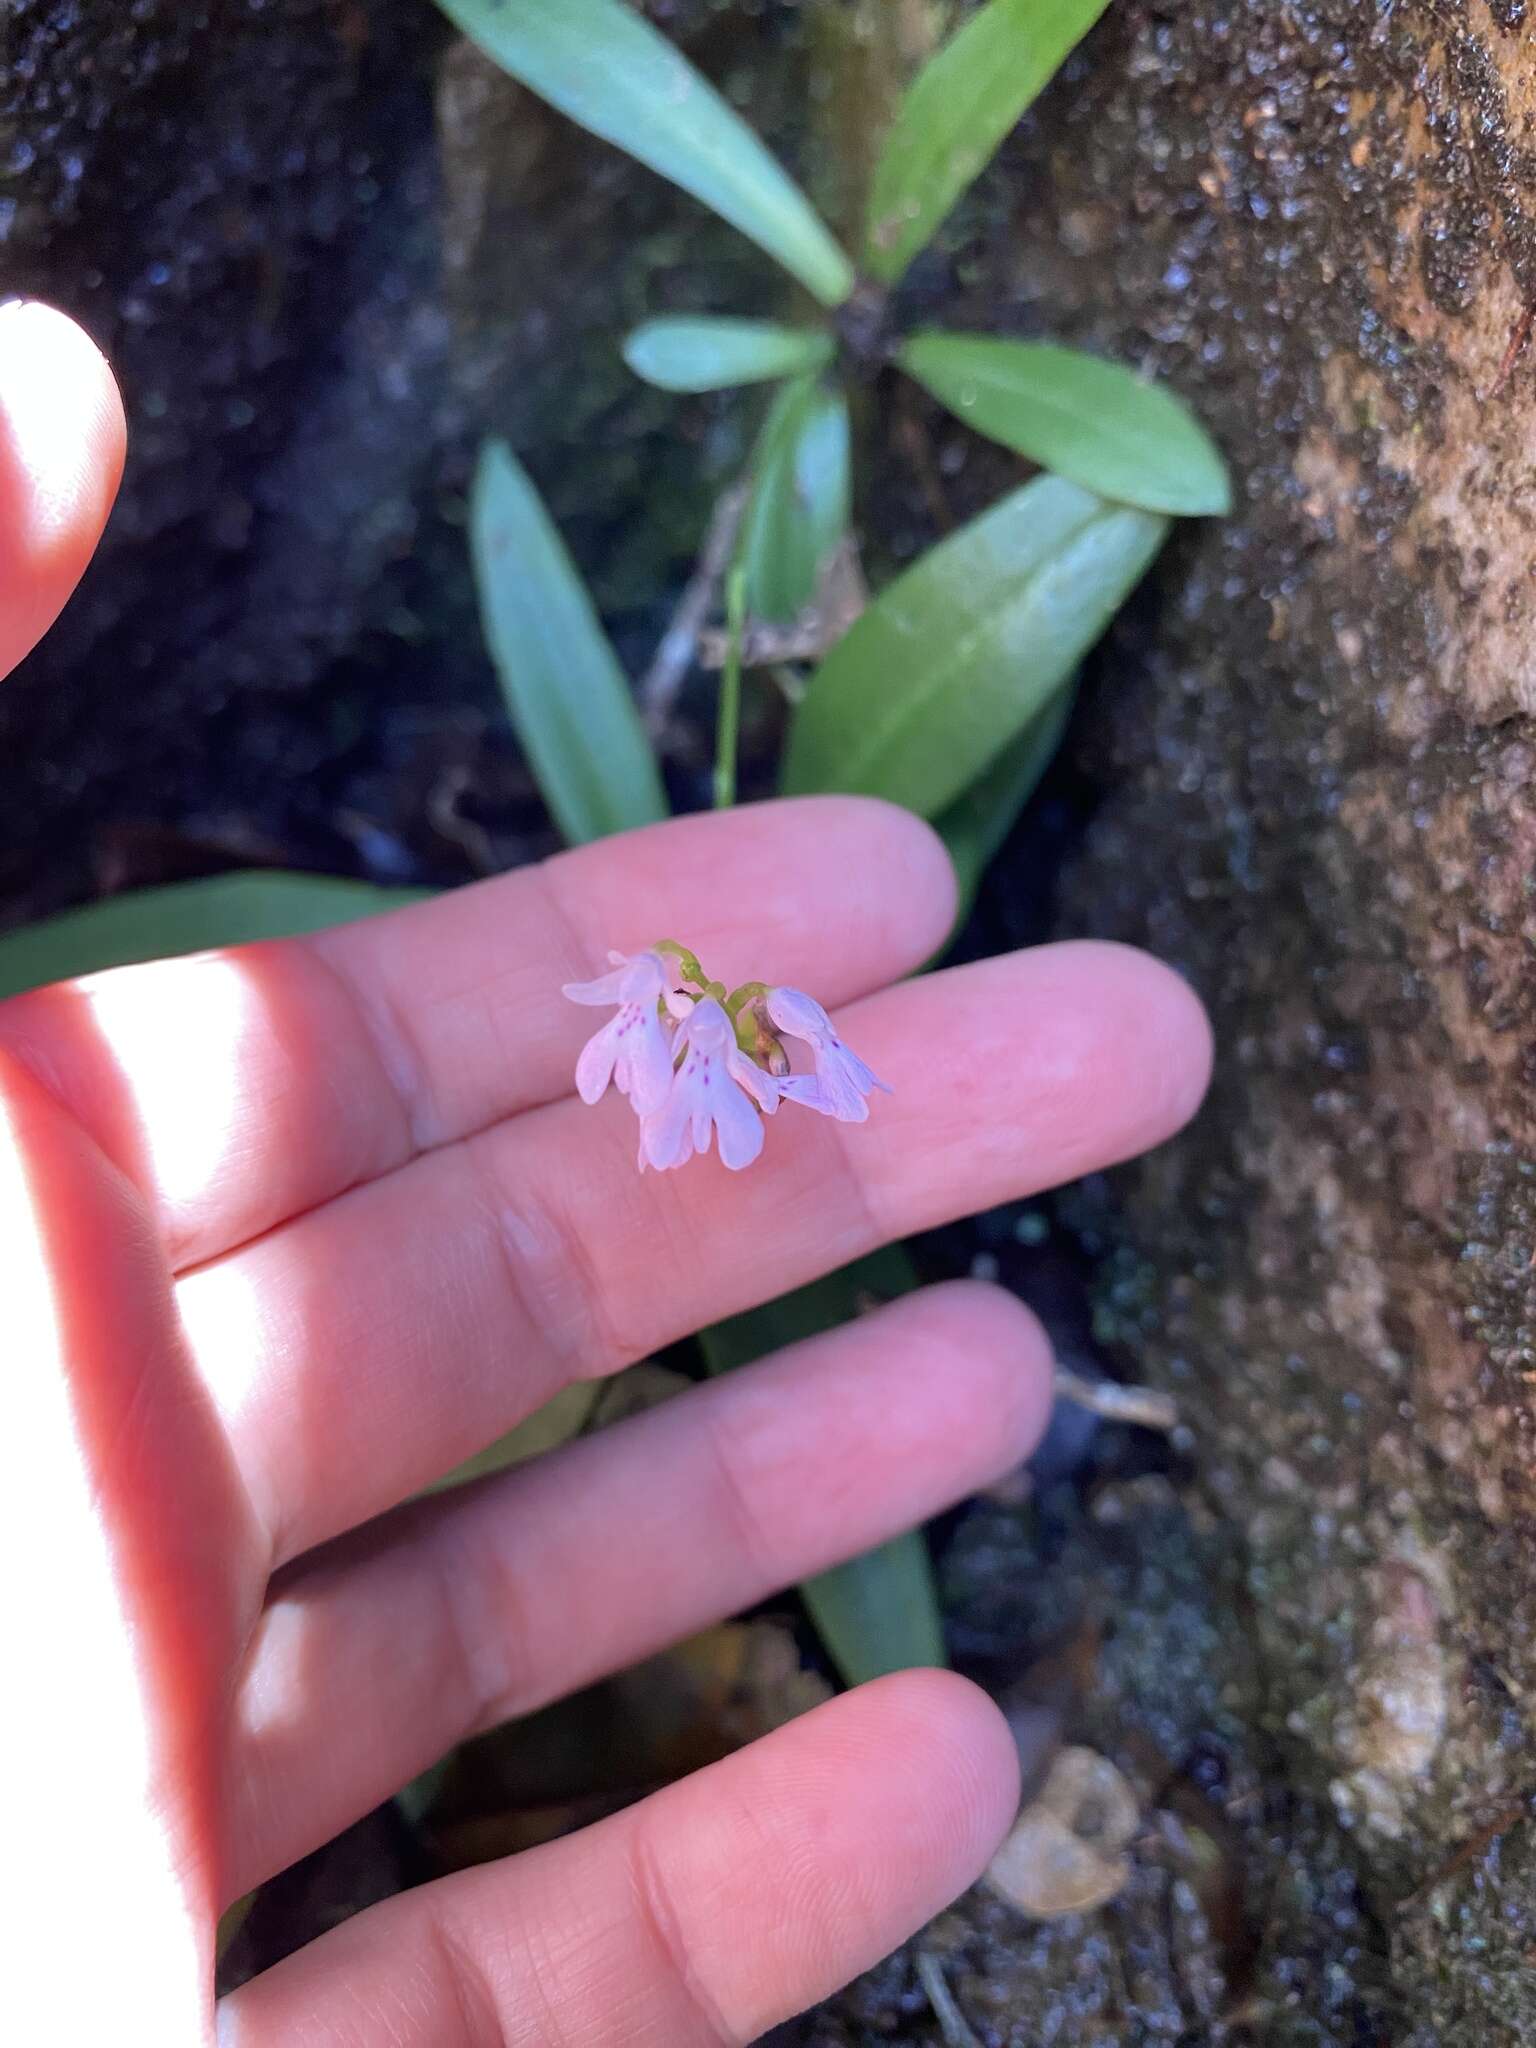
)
(291, 1230)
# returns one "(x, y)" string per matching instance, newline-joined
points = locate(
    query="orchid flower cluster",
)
(698, 1064)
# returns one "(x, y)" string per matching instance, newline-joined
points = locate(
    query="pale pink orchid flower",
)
(841, 1083)
(709, 1096)
(634, 1049)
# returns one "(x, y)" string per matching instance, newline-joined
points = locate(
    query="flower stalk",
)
(728, 719)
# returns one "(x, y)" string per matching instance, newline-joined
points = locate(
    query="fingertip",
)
(1125, 1037)
(62, 443)
(1177, 1046)
(908, 879)
(908, 848)
(963, 1769)
(994, 1364)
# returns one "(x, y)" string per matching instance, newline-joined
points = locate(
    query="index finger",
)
(242, 1088)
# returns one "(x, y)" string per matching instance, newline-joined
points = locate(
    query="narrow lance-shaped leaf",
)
(959, 653)
(602, 63)
(713, 354)
(879, 1612)
(185, 917)
(1089, 420)
(563, 1416)
(956, 112)
(799, 504)
(565, 692)
(975, 825)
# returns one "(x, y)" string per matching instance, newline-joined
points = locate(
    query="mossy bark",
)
(1321, 223)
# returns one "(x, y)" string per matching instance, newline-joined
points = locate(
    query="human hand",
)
(290, 1231)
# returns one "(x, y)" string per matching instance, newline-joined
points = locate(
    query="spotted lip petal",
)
(633, 1049)
(706, 1099)
(842, 1082)
(810, 1092)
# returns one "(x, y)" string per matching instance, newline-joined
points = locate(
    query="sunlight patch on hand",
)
(185, 1031)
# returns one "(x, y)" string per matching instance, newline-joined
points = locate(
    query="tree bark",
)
(1321, 222)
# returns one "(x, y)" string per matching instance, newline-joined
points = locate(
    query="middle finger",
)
(364, 1350)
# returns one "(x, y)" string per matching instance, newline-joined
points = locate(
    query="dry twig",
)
(664, 678)
(841, 596)
(1116, 1403)
(952, 2022)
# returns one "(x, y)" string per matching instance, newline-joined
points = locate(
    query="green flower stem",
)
(728, 720)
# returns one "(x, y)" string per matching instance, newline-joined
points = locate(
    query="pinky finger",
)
(703, 1916)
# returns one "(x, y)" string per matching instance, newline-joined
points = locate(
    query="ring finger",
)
(472, 1609)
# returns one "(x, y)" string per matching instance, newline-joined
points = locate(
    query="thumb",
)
(61, 457)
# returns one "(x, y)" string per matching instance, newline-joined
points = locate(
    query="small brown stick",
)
(841, 596)
(674, 655)
(1117, 1403)
(1520, 335)
(447, 819)
(766, 645)
(791, 687)
(952, 2022)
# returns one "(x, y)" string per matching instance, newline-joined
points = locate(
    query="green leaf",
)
(961, 651)
(563, 1416)
(185, 917)
(956, 112)
(1087, 419)
(879, 1612)
(603, 65)
(231, 1920)
(975, 825)
(801, 496)
(565, 692)
(712, 355)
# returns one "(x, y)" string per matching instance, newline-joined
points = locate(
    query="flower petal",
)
(594, 1069)
(807, 1090)
(739, 1125)
(862, 1077)
(637, 980)
(763, 1088)
(844, 1096)
(608, 988)
(798, 1014)
(830, 1095)
(666, 1137)
(648, 1063)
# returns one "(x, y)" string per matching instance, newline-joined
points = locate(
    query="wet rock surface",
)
(327, 250)
(1319, 805)
(1316, 758)
(1110, 1606)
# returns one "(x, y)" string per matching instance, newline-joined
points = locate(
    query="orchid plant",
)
(946, 691)
(697, 1063)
